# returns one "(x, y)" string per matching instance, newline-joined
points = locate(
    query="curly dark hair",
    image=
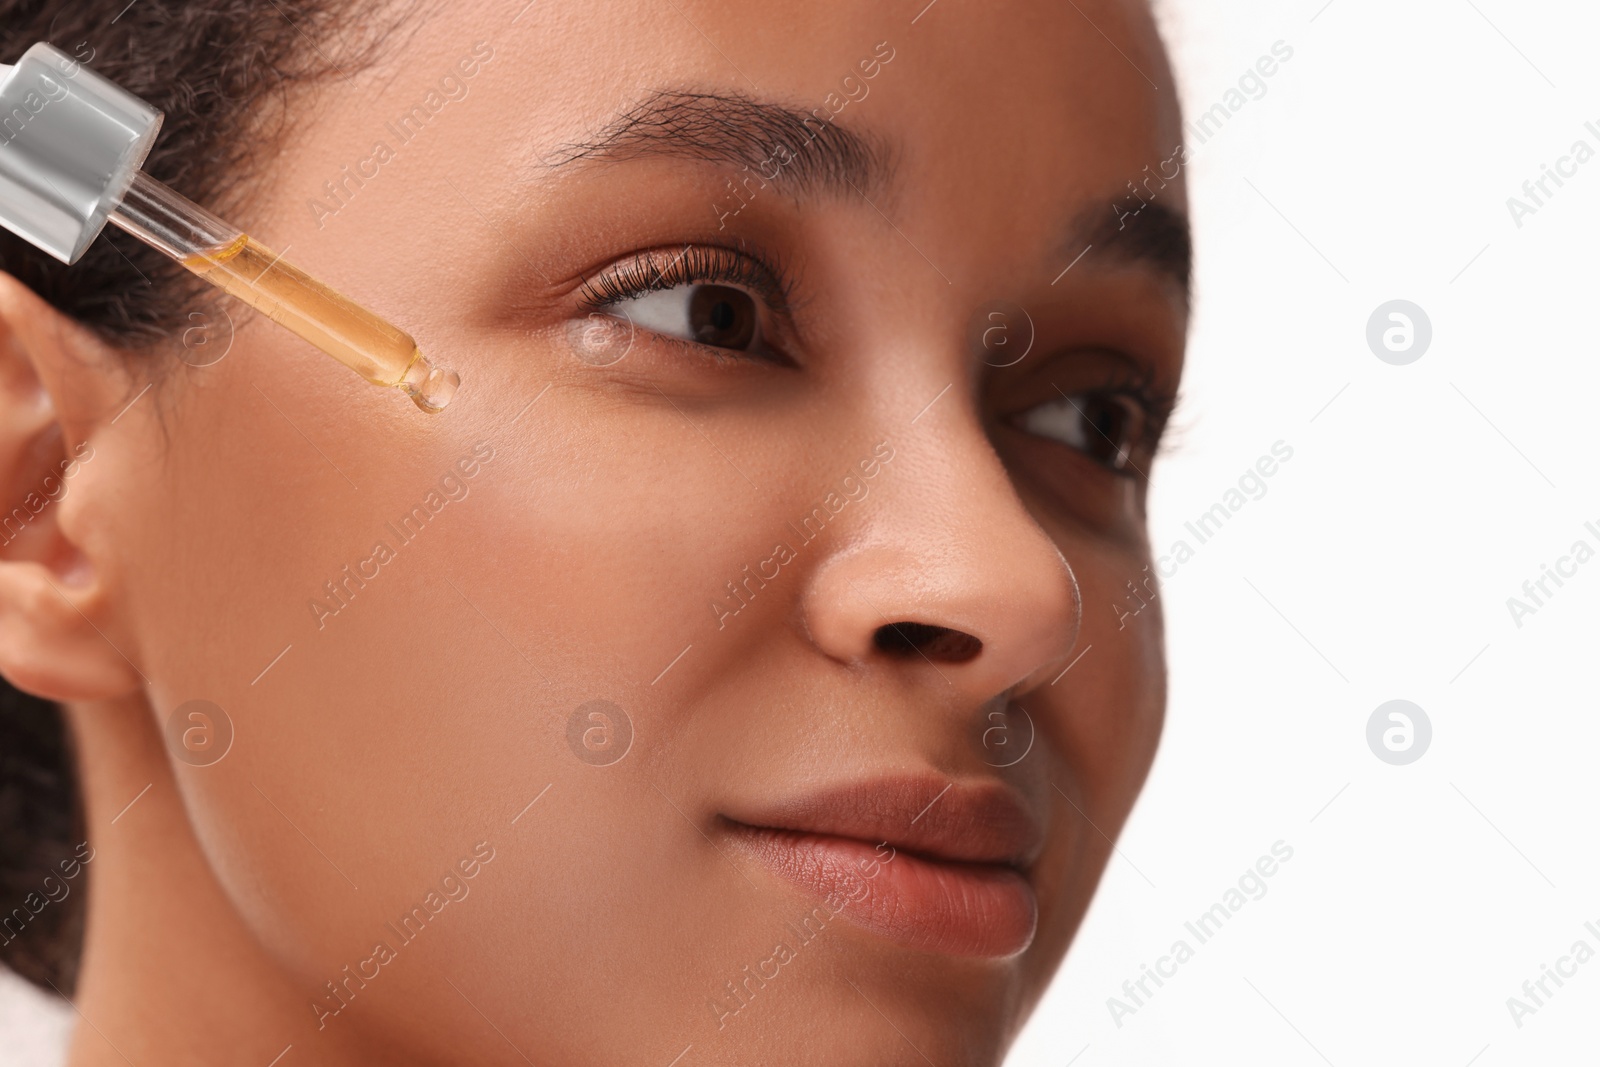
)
(222, 72)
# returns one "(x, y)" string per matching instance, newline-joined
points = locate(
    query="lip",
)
(924, 862)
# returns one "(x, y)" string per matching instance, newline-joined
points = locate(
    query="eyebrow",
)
(804, 150)
(1157, 237)
(807, 152)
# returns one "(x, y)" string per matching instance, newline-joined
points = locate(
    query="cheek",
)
(1100, 724)
(1107, 710)
(262, 501)
(579, 567)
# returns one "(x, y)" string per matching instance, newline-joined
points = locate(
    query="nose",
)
(947, 573)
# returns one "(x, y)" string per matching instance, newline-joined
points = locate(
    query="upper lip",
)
(958, 821)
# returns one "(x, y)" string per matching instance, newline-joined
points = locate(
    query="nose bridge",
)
(947, 549)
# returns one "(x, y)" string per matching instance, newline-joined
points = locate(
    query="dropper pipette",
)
(71, 145)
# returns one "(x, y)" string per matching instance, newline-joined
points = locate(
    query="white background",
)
(1377, 566)
(1416, 503)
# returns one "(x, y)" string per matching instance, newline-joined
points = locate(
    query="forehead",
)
(1009, 120)
(1019, 84)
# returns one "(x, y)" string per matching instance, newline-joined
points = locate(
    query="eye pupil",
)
(1110, 438)
(1108, 419)
(722, 316)
(1107, 428)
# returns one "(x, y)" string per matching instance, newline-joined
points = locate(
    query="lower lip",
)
(960, 909)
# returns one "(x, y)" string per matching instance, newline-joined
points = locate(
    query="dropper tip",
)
(429, 387)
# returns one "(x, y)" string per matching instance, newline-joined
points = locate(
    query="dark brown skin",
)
(599, 527)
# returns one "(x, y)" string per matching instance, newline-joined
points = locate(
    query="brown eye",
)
(1105, 426)
(723, 317)
(717, 316)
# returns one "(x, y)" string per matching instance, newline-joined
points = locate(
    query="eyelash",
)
(659, 269)
(1158, 405)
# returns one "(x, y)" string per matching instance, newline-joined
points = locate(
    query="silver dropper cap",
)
(70, 144)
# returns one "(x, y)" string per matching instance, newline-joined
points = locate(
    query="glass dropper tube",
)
(223, 255)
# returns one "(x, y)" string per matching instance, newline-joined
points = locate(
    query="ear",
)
(58, 384)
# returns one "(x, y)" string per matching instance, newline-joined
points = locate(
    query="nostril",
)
(938, 643)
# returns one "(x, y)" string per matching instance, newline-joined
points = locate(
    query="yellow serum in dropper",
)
(242, 267)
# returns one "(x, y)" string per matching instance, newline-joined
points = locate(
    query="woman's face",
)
(747, 659)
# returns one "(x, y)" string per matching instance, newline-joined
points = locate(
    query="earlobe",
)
(48, 645)
(52, 382)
